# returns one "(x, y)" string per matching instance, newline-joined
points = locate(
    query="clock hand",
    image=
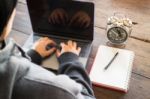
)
(119, 33)
(114, 32)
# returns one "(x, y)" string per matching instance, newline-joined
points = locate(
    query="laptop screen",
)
(64, 18)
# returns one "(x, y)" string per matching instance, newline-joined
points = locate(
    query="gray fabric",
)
(0, 45)
(19, 77)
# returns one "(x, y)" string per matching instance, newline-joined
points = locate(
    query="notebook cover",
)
(106, 78)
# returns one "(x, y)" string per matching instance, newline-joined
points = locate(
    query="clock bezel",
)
(117, 41)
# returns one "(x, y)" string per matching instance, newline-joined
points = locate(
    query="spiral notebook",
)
(118, 74)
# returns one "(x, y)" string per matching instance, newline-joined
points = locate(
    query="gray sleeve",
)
(70, 65)
(35, 57)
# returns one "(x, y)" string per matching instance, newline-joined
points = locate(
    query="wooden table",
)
(139, 42)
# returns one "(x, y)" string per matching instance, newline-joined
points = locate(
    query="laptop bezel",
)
(48, 33)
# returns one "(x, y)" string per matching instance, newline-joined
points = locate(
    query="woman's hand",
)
(41, 44)
(69, 47)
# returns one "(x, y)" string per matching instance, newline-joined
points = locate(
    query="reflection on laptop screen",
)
(72, 19)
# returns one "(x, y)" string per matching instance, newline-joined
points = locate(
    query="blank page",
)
(118, 73)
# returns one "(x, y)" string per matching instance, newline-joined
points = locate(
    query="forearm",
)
(70, 65)
(35, 57)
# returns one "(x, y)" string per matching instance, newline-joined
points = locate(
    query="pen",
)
(111, 61)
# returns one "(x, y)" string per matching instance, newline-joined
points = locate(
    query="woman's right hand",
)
(69, 47)
(40, 46)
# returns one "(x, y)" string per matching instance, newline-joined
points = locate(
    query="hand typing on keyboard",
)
(70, 46)
(40, 47)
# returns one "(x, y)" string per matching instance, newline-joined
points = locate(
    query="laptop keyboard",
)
(85, 46)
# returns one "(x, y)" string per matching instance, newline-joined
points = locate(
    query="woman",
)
(22, 79)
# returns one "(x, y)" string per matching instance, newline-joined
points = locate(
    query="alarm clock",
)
(118, 30)
(117, 35)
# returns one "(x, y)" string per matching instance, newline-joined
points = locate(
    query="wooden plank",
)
(137, 10)
(141, 66)
(22, 21)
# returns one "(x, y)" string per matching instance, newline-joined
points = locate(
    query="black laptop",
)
(43, 16)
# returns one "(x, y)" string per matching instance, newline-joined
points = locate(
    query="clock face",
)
(117, 35)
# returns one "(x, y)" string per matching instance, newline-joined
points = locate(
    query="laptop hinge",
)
(60, 37)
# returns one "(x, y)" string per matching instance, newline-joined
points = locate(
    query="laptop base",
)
(52, 62)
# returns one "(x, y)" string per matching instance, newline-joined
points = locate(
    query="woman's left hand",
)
(69, 47)
(41, 44)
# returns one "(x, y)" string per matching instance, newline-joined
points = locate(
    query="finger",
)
(41, 39)
(79, 49)
(75, 44)
(45, 38)
(58, 53)
(70, 42)
(50, 51)
(49, 41)
(46, 41)
(62, 44)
